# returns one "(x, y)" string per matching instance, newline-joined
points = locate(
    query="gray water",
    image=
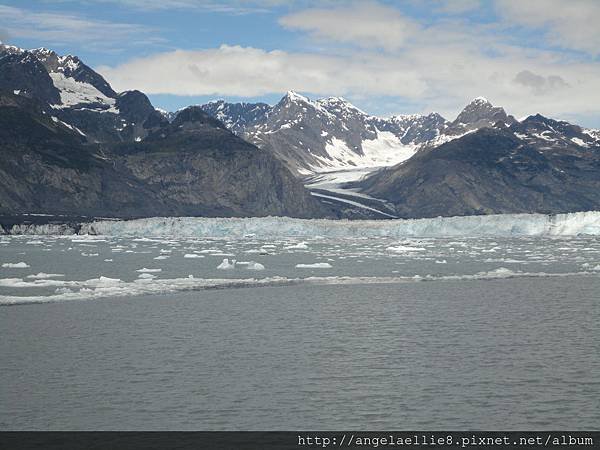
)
(504, 354)
(502, 335)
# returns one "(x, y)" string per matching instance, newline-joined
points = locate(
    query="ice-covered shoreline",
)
(570, 224)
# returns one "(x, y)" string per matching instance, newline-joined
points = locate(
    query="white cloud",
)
(366, 24)
(571, 24)
(439, 65)
(248, 72)
(58, 29)
(439, 78)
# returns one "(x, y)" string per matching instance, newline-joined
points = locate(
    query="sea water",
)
(115, 332)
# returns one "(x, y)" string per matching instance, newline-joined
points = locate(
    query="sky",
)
(386, 57)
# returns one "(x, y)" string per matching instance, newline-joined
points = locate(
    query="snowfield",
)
(572, 224)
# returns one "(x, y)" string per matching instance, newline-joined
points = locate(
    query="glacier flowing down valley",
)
(571, 224)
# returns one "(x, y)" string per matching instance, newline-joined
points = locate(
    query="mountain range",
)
(72, 145)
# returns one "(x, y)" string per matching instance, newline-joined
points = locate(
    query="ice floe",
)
(314, 266)
(19, 265)
(45, 276)
(226, 265)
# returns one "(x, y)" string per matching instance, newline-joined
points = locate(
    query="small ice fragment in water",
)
(226, 265)
(298, 246)
(314, 266)
(251, 265)
(19, 265)
(45, 276)
(146, 276)
(405, 248)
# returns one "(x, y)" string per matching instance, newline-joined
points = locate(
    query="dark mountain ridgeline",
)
(66, 151)
(491, 171)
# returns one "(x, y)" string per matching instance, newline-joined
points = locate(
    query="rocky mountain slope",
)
(327, 134)
(329, 142)
(70, 145)
(78, 95)
(331, 134)
(537, 165)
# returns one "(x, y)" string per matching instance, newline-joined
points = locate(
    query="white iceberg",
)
(298, 246)
(45, 276)
(314, 266)
(250, 265)
(19, 265)
(226, 265)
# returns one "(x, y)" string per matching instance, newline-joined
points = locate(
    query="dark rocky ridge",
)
(194, 167)
(492, 171)
(116, 117)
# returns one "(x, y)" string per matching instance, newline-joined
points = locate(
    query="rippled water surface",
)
(382, 333)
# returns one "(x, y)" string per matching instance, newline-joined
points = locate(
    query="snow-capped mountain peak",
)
(479, 113)
(294, 97)
(331, 133)
(480, 100)
(339, 105)
(76, 94)
(10, 49)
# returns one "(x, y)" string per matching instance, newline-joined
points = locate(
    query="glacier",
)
(570, 224)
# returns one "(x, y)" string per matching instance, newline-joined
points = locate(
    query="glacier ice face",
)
(572, 224)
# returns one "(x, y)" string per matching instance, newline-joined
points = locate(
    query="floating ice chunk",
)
(162, 257)
(193, 255)
(314, 266)
(405, 249)
(298, 246)
(226, 265)
(144, 270)
(251, 265)
(441, 261)
(89, 254)
(10, 282)
(44, 276)
(108, 260)
(163, 251)
(105, 280)
(19, 265)
(146, 276)
(34, 243)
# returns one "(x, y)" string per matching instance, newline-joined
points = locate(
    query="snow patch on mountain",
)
(73, 93)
